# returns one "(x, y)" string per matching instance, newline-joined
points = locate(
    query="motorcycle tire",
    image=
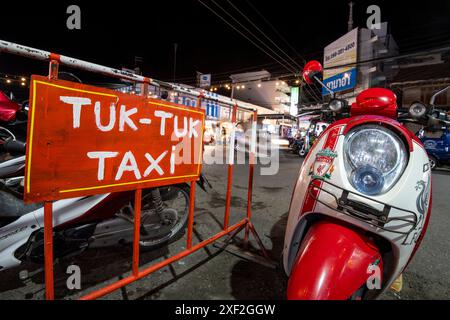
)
(175, 233)
(302, 153)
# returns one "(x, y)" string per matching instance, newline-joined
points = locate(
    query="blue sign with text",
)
(212, 110)
(340, 82)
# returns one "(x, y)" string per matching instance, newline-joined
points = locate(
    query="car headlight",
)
(375, 158)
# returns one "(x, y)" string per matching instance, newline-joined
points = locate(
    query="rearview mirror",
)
(312, 71)
(337, 105)
(417, 110)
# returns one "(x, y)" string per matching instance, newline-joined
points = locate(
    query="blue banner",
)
(212, 109)
(340, 82)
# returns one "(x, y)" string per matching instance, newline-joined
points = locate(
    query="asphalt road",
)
(214, 274)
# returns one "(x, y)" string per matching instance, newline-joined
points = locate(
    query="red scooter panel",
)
(375, 101)
(332, 263)
(8, 108)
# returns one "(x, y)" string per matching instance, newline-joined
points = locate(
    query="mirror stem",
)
(323, 85)
(433, 98)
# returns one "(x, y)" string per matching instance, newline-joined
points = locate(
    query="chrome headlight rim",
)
(390, 177)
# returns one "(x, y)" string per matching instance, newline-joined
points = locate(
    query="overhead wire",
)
(264, 34)
(313, 90)
(246, 29)
(245, 36)
(254, 36)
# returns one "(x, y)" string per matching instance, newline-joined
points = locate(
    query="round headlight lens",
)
(375, 159)
(368, 180)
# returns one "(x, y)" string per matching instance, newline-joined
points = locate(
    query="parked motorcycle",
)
(310, 138)
(362, 201)
(297, 145)
(436, 136)
(437, 145)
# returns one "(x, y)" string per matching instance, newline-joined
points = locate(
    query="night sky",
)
(114, 32)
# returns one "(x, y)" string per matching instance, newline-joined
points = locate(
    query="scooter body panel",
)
(411, 193)
(17, 233)
(332, 263)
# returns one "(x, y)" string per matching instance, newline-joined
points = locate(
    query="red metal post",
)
(230, 171)
(191, 214)
(48, 250)
(192, 192)
(252, 158)
(137, 206)
(54, 66)
(48, 213)
(144, 87)
(137, 230)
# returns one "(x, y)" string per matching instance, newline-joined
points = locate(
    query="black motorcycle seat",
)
(12, 167)
(11, 207)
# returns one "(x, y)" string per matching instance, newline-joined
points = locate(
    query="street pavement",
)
(212, 273)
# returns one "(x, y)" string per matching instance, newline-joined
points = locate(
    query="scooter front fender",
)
(332, 263)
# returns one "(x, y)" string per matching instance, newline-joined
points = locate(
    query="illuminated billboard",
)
(339, 63)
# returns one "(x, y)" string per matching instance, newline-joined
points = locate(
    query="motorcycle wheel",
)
(156, 233)
(302, 152)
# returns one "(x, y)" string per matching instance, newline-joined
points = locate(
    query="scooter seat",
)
(11, 207)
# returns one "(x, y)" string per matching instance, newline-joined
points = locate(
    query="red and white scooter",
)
(362, 201)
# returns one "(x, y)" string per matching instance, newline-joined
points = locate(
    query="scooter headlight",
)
(375, 159)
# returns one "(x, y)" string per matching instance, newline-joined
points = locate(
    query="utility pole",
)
(137, 64)
(175, 47)
(350, 17)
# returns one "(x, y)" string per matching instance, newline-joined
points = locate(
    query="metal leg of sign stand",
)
(48, 213)
(245, 254)
(230, 170)
(242, 251)
(48, 250)
(137, 231)
(191, 214)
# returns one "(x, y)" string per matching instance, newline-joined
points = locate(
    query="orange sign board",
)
(84, 140)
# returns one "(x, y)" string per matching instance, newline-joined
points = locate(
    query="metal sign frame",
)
(55, 60)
